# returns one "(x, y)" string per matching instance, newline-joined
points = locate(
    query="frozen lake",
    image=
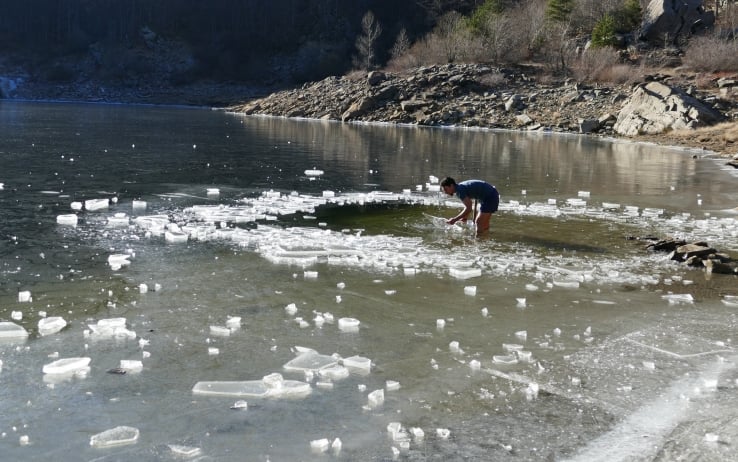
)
(181, 284)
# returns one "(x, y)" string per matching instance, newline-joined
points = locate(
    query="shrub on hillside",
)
(711, 54)
(602, 65)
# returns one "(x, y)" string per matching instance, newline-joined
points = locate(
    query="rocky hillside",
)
(477, 95)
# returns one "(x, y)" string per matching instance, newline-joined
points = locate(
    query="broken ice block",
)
(440, 323)
(139, 205)
(375, 399)
(470, 290)
(16, 315)
(67, 219)
(143, 288)
(96, 204)
(220, 331)
(521, 302)
(119, 219)
(674, 299)
(24, 296)
(131, 365)
(310, 360)
(505, 359)
(320, 446)
(66, 365)
(443, 433)
(475, 365)
(392, 385)
(335, 372)
(522, 334)
(348, 324)
(358, 363)
(117, 261)
(464, 273)
(51, 325)
(179, 450)
(176, 237)
(253, 389)
(117, 436)
(12, 330)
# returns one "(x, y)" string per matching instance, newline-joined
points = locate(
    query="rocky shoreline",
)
(680, 112)
(476, 95)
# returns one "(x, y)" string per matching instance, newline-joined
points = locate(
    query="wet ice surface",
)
(328, 325)
(377, 346)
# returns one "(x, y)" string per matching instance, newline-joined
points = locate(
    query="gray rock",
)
(667, 20)
(655, 108)
(588, 125)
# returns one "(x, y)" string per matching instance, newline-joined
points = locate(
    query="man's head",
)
(448, 185)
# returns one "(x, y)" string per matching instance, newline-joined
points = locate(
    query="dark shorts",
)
(491, 203)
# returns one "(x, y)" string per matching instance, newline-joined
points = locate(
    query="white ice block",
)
(117, 436)
(348, 324)
(96, 204)
(358, 363)
(12, 330)
(470, 290)
(69, 219)
(139, 205)
(176, 237)
(66, 365)
(253, 389)
(24, 296)
(51, 325)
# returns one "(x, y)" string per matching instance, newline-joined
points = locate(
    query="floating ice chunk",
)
(233, 323)
(522, 334)
(358, 363)
(176, 237)
(392, 385)
(505, 359)
(69, 219)
(531, 287)
(179, 450)
(313, 172)
(139, 205)
(310, 360)
(348, 324)
(567, 284)
(524, 356)
(320, 446)
(143, 288)
(521, 302)
(291, 309)
(96, 204)
(511, 347)
(117, 436)
(454, 347)
(240, 405)
(470, 290)
(12, 330)
(730, 300)
(443, 433)
(440, 323)
(117, 261)
(337, 445)
(341, 285)
(675, 299)
(583, 194)
(76, 205)
(111, 328)
(531, 392)
(213, 351)
(24, 296)
(213, 192)
(310, 275)
(375, 399)
(335, 372)
(485, 312)
(66, 365)
(711, 437)
(16, 315)
(220, 331)
(465, 273)
(255, 388)
(649, 365)
(131, 365)
(418, 433)
(51, 325)
(329, 194)
(119, 219)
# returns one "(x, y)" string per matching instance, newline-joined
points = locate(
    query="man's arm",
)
(464, 213)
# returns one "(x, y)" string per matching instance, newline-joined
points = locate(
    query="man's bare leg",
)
(483, 222)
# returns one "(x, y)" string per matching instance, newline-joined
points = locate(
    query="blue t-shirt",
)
(475, 189)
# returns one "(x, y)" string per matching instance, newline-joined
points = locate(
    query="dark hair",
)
(448, 181)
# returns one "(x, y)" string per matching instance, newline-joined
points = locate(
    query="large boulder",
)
(667, 20)
(655, 108)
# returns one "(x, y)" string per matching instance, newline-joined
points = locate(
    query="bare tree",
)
(401, 46)
(366, 43)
